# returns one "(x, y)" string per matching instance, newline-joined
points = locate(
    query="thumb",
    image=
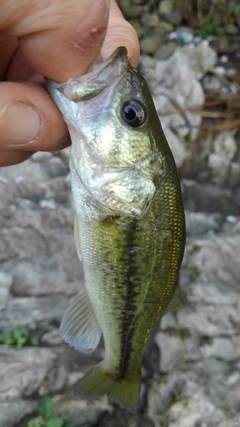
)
(58, 38)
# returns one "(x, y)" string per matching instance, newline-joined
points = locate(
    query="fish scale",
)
(130, 228)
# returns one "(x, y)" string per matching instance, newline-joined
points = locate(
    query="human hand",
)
(59, 40)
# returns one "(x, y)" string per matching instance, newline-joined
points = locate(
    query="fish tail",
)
(97, 382)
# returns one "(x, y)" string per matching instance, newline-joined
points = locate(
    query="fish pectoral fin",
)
(175, 302)
(79, 326)
(77, 237)
(98, 382)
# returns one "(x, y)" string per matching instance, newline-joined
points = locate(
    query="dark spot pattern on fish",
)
(129, 309)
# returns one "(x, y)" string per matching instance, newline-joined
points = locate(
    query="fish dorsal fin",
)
(175, 302)
(77, 237)
(79, 326)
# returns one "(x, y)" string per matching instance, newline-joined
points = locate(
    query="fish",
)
(129, 228)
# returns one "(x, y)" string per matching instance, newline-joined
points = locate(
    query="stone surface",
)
(231, 29)
(150, 20)
(199, 58)
(165, 7)
(6, 281)
(199, 223)
(165, 51)
(199, 344)
(11, 413)
(149, 44)
(224, 149)
(174, 87)
(22, 372)
(80, 411)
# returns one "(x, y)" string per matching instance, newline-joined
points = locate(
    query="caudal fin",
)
(97, 383)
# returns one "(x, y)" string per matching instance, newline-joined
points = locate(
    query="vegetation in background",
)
(19, 338)
(23, 336)
(45, 420)
(211, 26)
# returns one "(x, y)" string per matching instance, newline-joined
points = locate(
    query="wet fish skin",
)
(130, 229)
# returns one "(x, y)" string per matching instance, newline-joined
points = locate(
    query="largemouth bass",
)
(129, 228)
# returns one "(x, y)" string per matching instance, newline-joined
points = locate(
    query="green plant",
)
(46, 326)
(236, 10)
(126, 8)
(45, 419)
(19, 338)
(211, 26)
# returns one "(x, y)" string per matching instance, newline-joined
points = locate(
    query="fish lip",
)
(120, 54)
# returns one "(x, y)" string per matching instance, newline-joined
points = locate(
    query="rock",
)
(28, 189)
(198, 223)
(55, 167)
(198, 410)
(218, 257)
(199, 58)
(55, 381)
(168, 322)
(80, 411)
(187, 33)
(172, 350)
(11, 413)
(165, 7)
(6, 281)
(161, 395)
(22, 372)
(41, 157)
(231, 29)
(211, 82)
(25, 170)
(177, 145)
(52, 337)
(165, 51)
(219, 160)
(38, 242)
(32, 311)
(150, 44)
(209, 198)
(150, 20)
(58, 190)
(175, 17)
(136, 11)
(223, 348)
(174, 87)
(166, 26)
(234, 174)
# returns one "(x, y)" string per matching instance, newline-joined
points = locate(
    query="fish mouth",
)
(119, 55)
(115, 66)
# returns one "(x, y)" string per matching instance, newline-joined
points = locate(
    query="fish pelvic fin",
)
(79, 326)
(98, 382)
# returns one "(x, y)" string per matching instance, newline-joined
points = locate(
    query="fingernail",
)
(20, 124)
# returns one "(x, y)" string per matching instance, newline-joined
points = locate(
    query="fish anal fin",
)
(175, 302)
(77, 237)
(97, 382)
(79, 326)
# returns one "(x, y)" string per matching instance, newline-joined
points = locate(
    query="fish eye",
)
(133, 113)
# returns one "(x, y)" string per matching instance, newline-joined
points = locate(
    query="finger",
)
(59, 39)
(13, 157)
(20, 70)
(8, 46)
(29, 121)
(62, 39)
(120, 33)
